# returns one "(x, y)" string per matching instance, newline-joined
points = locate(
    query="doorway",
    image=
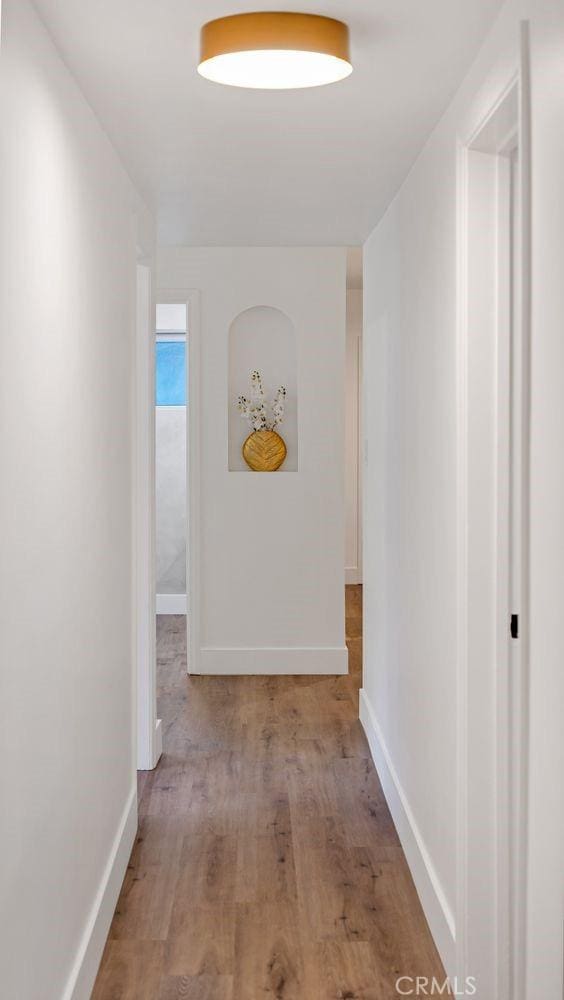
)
(178, 581)
(171, 407)
(492, 524)
(177, 455)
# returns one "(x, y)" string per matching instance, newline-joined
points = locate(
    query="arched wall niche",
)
(262, 338)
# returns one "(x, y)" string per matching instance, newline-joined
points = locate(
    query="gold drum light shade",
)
(275, 50)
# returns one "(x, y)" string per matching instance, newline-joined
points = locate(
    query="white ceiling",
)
(227, 166)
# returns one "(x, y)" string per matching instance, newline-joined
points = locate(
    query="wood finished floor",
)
(266, 862)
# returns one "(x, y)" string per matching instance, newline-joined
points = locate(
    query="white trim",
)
(429, 889)
(171, 604)
(359, 459)
(158, 739)
(170, 338)
(521, 721)
(353, 574)
(462, 566)
(191, 297)
(193, 489)
(144, 523)
(85, 966)
(502, 573)
(510, 875)
(273, 660)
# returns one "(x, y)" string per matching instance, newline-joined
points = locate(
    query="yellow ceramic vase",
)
(264, 451)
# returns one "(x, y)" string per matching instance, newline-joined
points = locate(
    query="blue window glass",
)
(170, 370)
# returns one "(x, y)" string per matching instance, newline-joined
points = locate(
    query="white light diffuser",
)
(275, 51)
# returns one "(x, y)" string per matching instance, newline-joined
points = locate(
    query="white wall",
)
(67, 253)
(409, 559)
(271, 545)
(410, 502)
(353, 477)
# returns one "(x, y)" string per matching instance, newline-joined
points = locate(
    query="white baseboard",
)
(158, 744)
(171, 604)
(275, 660)
(433, 900)
(353, 575)
(148, 757)
(83, 973)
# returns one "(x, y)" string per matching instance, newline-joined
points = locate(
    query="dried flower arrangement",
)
(264, 450)
(254, 409)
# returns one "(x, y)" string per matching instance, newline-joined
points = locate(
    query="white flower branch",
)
(254, 410)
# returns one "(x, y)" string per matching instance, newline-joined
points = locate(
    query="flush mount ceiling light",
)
(275, 50)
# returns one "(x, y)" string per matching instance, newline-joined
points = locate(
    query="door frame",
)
(190, 297)
(149, 730)
(512, 728)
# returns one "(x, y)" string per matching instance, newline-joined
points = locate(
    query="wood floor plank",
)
(268, 954)
(130, 970)
(201, 940)
(266, 862)
(202, 987)
(350, 971)
(145, 904)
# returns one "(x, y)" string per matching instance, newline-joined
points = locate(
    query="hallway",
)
(266, 862)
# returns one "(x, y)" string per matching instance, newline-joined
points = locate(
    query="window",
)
(170, 354)
(170, 370)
